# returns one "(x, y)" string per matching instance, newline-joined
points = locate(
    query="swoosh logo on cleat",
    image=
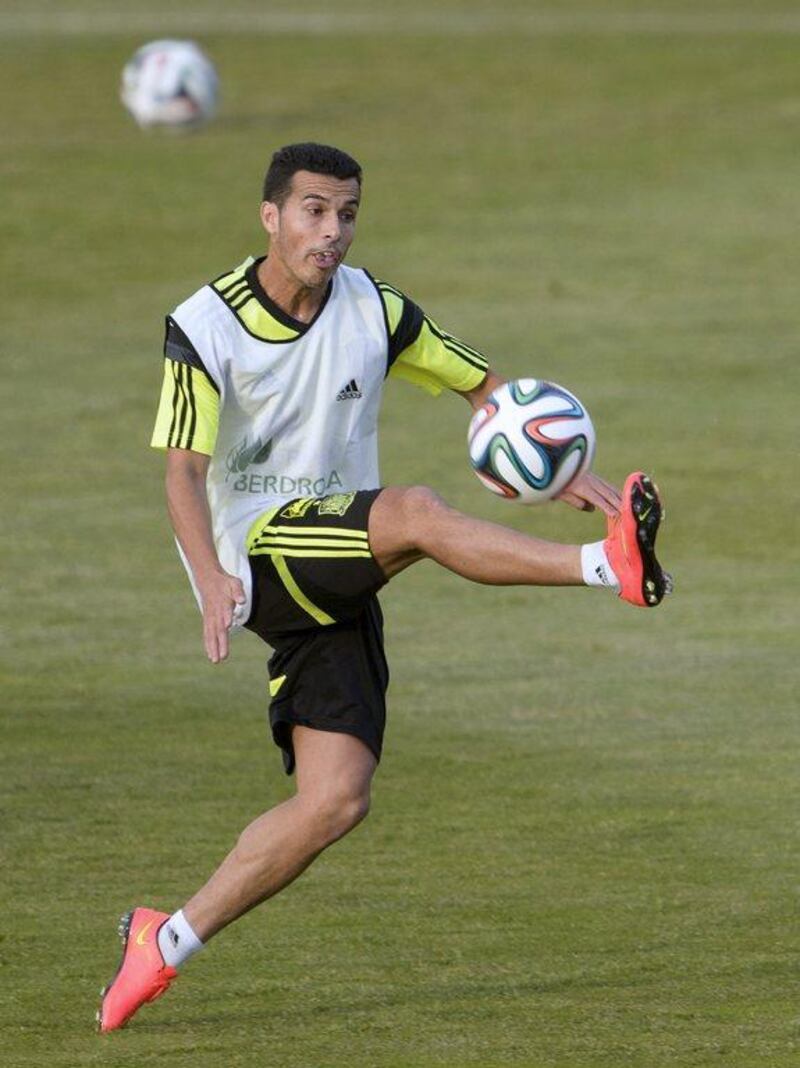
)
(143, 932)
(644, 515)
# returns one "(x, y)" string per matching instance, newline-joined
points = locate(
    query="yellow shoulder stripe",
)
(393, 303)
(235, 290)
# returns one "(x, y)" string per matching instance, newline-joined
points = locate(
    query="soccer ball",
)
(529, 440)
(170, 83)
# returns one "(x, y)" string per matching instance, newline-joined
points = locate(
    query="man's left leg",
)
(413, 523)
(334, 772)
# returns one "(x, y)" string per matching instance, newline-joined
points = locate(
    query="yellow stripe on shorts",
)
(275, 684)
(297, 594)
(310, 554)
(331, 532)
(257, 528)
(312, 542)
(308, 544)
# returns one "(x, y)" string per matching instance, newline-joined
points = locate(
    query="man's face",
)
(311, 231)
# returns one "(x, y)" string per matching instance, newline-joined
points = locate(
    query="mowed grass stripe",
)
(409, 23)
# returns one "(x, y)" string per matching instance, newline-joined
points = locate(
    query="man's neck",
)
(297, 300)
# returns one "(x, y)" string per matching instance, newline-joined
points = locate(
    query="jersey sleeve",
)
(422, 353)
(188, 409)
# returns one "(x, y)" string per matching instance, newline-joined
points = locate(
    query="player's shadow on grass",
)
(453, 999)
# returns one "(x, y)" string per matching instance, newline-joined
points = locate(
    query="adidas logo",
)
(350, 391)
(602, 574)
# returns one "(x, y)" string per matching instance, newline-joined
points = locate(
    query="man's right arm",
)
(187, 502)
(186, 429)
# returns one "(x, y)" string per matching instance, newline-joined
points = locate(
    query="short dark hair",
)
(306, 156)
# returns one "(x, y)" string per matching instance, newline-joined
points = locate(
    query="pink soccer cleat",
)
(630, 545)
(142, 975)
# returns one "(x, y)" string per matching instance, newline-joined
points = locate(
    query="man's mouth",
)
(325, 258)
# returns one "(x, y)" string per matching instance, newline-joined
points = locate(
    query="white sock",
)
(176, 940)
(597, 571)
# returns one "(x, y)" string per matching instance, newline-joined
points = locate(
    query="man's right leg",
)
(334, 773)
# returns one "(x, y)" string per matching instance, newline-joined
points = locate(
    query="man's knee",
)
(418, 509)
(403, 524)
(336, 810)
(420, 502)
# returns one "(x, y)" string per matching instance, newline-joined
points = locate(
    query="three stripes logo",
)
(235, 292)
(184, 407)
(312, 542)
(349, 392)
(602, 574)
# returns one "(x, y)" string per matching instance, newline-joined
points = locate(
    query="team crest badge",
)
(335, 504)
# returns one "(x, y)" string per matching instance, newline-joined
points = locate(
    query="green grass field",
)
(583, 850)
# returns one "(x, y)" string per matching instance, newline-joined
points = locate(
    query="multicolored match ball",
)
(530, 440)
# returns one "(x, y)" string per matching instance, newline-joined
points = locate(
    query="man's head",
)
(307, 156)
(311, 197)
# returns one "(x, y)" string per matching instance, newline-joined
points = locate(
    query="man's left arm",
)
(477, 396)
(430, 357)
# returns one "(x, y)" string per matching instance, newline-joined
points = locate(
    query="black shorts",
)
(314, 601)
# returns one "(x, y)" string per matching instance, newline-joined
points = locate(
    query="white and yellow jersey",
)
(288, 409)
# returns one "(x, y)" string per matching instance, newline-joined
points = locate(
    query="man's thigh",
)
(330, 678)
(398, 521)
(312, 563)
(314, 585)
(329, 762)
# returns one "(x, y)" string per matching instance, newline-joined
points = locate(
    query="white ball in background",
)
(170, 83)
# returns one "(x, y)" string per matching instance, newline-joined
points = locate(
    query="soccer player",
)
(268, 415)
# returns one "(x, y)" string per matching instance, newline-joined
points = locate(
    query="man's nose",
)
(332, 227)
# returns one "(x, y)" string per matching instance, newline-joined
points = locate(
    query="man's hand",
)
(220, 593)
(191, 520)
(589, 491)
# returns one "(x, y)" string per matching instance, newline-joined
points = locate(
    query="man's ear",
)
(269, 217)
